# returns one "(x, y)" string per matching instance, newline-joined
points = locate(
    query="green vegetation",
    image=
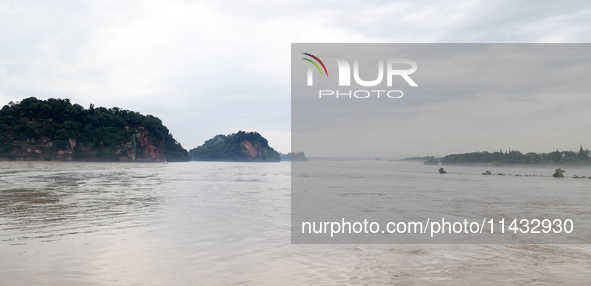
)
(558, 173)
(240, 146)
(516, 157)
(431, 161)
(47, 129)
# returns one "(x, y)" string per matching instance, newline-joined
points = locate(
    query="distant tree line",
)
(416, 158)
(516, 157)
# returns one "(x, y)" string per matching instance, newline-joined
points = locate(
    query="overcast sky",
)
(216, 67)
(470, 97)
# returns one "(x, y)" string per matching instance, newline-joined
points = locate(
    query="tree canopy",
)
(233, 148)
(516, 157)
(99, 129)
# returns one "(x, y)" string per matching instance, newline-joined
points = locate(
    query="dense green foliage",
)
(431, 161)
(232, 148)
(516, 157)
(100, 130)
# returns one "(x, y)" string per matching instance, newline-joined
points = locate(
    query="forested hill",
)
(56, 129)
(240, 146)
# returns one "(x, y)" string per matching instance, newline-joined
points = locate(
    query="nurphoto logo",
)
(344, 76)
(316, 65)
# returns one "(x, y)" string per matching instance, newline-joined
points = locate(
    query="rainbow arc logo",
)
(315, 64)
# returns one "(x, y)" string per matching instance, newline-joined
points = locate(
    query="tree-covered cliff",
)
(56, 129)
(240, 146)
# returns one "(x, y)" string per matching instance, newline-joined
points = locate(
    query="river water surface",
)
(204, 223)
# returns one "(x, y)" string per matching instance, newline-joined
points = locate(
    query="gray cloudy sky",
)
(470, 97)
(216, 67)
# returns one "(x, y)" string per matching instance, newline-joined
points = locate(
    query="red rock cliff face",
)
(252, 150)
(148, 150)
(43, 150)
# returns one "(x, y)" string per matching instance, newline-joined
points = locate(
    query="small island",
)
(295, 156)
(238, 147)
